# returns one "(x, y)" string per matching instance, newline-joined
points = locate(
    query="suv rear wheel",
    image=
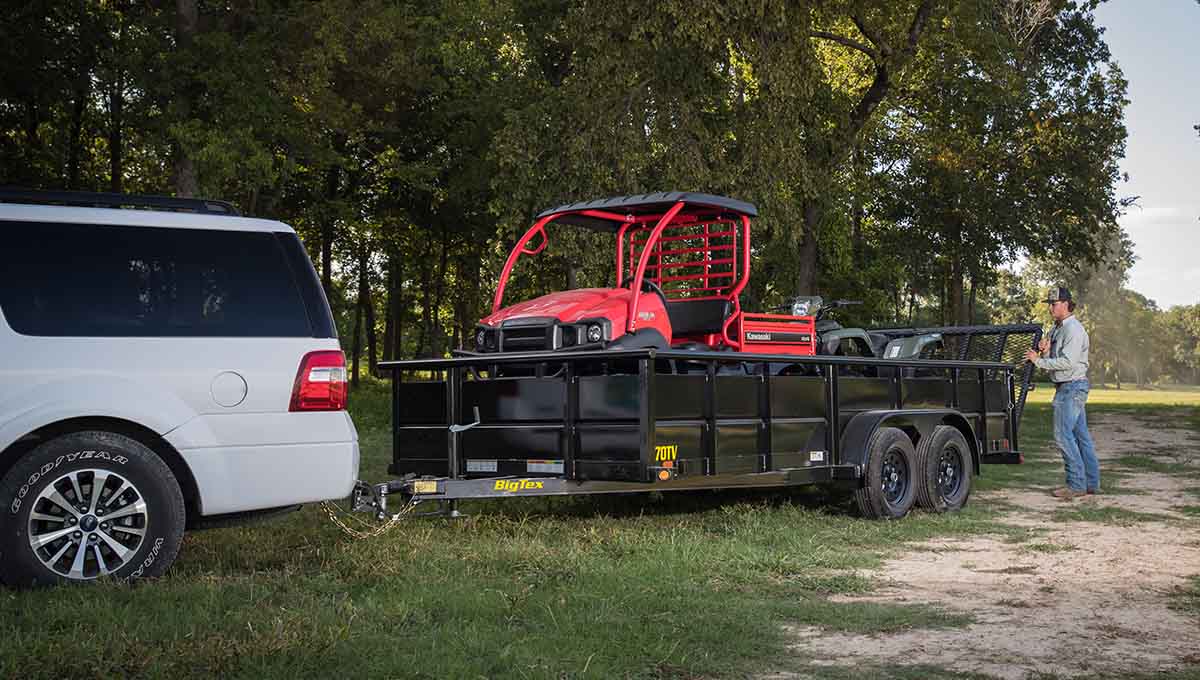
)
(88, 505)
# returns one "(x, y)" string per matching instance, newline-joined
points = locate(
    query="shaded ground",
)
(1087, 593)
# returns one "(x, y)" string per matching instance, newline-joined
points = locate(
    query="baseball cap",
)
(1058, 294)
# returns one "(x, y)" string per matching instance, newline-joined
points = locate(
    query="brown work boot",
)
(1066, 493)
(1093, 492)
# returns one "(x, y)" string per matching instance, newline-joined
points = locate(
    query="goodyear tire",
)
(944, 459)
(889, 489)
(88, 505)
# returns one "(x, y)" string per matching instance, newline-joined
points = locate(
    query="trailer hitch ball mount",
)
(372, 498)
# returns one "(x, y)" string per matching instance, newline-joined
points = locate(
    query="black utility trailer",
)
(898, 432)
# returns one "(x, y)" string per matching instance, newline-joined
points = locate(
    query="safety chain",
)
(371, 531)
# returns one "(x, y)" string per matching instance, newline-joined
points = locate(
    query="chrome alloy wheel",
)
(87, 523)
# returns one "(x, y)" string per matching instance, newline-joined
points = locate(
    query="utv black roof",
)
(645, 204)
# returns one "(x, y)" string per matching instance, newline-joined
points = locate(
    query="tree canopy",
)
(904, 153)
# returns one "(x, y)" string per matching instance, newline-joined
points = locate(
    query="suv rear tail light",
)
(321, 383)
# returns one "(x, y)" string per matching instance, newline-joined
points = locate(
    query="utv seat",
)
(698, 317)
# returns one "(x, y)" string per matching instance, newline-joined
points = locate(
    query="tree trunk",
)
(806, 278)
(332, 178)
(359, 304)
(33, 142)
(971, 304)
(186, 184)
(437, 336)
(389, 310)
(426, 328)
(369, 305)
(116, 161)
(186, 23)
(469, 299)
(942, 301)
(398, 347)
(355, 351)
(78, 107)
(857, 212)
(955, 292)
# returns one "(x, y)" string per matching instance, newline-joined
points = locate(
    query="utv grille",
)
(527, 338)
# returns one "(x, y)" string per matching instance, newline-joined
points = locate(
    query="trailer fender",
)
(915, 423)
(645, 338)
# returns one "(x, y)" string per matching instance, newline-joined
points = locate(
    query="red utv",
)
(682, 261)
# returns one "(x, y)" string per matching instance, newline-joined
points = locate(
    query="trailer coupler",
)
(373, 498)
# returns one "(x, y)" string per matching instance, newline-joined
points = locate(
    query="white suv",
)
(159, 370)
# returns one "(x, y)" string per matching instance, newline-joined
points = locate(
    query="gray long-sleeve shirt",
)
(1068, 358)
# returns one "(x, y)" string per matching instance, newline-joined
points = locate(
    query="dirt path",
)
(1078, 598)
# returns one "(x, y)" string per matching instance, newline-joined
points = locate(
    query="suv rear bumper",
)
(319, 461)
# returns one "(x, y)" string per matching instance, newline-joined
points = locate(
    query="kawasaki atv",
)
(833, 339)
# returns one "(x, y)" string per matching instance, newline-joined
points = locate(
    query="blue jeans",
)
(1072, 437)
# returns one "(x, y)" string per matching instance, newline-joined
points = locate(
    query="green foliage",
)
(905, 154)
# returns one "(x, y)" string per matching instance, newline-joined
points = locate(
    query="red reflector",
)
(321, 382)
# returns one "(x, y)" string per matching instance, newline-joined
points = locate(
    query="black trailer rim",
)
(895, 476)
(950, 471)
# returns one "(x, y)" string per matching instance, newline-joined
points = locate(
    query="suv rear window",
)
(116, 281)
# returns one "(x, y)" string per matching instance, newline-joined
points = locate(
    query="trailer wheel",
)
(889, 490)
(944, 462)
(88, 505)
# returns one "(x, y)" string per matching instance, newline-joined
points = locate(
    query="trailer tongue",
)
(604, 421)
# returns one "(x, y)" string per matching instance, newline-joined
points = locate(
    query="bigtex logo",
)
(667, 452)
(510, 485)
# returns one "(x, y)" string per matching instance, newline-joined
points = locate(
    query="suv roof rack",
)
(89, 199)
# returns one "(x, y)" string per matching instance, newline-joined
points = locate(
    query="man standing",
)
(1065, 355)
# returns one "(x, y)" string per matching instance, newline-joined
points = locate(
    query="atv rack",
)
(593, 422)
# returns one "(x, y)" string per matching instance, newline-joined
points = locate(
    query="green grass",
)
(640, 586)
(1128, 396)
(497, 594)
(1187, 598)
(1149, 464)
(1047, 548)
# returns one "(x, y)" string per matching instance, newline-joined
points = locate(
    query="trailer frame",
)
(550, 399)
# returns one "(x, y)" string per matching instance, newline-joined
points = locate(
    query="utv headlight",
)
(480, 339)
(595, 333)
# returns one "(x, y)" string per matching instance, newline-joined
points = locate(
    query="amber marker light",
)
(668, 464)
(664, 475)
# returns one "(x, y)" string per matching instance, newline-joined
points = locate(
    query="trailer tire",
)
(944, 465)
(889, 490)
(102, 505)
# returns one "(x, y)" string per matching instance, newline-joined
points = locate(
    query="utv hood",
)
(569, 307)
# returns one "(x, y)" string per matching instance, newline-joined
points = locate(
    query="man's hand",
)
(1031, 356)
(1044, 345)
